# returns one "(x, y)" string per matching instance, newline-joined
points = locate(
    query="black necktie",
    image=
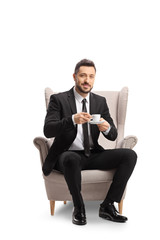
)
(85, 131)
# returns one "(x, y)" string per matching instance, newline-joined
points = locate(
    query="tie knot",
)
(84, 100)
(84, 108)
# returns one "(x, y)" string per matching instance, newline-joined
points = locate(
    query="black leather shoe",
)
(109, 212)
(79, 216)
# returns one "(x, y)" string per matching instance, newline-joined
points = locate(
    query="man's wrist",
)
(107, 131)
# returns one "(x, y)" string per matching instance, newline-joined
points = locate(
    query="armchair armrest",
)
(128, 142)
(43, 145)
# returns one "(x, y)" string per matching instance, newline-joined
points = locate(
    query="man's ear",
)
(74, 76)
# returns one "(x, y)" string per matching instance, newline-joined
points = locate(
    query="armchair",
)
(95, 183)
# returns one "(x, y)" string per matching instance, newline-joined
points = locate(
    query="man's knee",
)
(131, 157)
(71, 160)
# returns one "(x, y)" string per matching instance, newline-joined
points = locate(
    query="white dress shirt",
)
(78, 142)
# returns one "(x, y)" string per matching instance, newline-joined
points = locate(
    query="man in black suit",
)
(76, 147)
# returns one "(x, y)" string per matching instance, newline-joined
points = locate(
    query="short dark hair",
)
(84, 62)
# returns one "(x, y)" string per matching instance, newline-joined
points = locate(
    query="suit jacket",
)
(59, 124)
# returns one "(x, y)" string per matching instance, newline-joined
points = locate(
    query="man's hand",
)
(82, 117)
(103, 126)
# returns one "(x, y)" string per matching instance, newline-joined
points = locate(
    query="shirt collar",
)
(79, 97)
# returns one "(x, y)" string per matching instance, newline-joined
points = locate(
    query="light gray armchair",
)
(95, 183)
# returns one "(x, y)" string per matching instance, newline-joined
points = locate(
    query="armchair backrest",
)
(117, 103)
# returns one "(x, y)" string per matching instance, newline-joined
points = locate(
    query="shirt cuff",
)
(107, 131)
(73, 119)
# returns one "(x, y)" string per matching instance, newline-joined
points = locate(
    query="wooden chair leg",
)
(65, 202)
(120, 206)
(52, 206)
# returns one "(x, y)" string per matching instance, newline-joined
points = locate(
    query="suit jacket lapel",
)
(71, 100)
(92, 104)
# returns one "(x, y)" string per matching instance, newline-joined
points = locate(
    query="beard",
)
(83, 90)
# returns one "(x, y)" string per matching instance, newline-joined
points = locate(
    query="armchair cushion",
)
(88, 176)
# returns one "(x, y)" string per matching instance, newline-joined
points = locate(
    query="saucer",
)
(99, 122)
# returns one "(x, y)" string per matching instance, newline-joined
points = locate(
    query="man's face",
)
(84, 79)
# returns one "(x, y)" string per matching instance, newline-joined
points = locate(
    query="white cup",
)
(96, 117)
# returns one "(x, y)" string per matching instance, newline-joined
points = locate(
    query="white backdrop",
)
(40, 43)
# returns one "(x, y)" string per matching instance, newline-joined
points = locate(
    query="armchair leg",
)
(52, 206)
(120, 206)
(65, 202)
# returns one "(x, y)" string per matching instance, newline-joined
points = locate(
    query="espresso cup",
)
(96, 117)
